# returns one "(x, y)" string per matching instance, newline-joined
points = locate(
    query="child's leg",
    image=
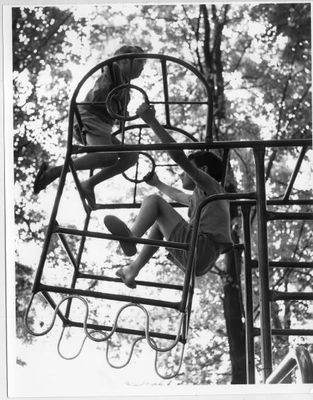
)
(129, 273)
(123, 161)
(47, 175)
(154, 211)
(111, 164)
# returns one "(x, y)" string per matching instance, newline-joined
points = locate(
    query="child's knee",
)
(153, 200)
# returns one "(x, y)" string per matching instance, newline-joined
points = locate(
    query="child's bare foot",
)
(126, 277)
(89, 194)
(118, 227)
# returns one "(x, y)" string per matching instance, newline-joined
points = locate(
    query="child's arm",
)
(175, 194)
(201, 179)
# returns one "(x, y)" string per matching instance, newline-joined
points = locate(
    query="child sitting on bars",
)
(202, 174)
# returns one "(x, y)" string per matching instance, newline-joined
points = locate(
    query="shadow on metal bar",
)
(300, 358)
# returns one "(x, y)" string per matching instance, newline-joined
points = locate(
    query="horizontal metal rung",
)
(285, 264)
(275, 215)
(276, 295)
(159, 243)
(112, 206)
(286, 332)
(193, 145)
(85, 103)
(129, 331)
(142, 283)
(110, 296)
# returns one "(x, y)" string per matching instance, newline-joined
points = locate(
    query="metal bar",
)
(193, 241)
(248, 296)
(165, 90)
(301, 358)
(286, 264)
(141, 125)
(182, 102)
(110, 296)
(83, 239)
(275, 215)
(68, 250)
(78, 185)
(142, 283)
(274, 202)
(286, 332)
(193, 145)
(275, 295)
(137, 167)
(69, 302)
(52, 220)
(210, 119)
(106, 328)
(159, 243)
(266, 341)
(305, 364)
(283, 370)
(224, 161)
(54, 305)
(295, 172)
(140, 56)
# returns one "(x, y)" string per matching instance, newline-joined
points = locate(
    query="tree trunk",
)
(213, 69)
(233, 317)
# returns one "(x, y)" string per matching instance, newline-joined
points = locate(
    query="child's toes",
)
(127, 280)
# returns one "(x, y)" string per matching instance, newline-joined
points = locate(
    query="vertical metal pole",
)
(248, 293)
(264, 295)
(165, 90)
(57, 200)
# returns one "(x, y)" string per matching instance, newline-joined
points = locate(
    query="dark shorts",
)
(207, 251)
(94, 126)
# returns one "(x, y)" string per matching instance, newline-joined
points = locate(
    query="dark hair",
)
(211, 161)
(128, 49)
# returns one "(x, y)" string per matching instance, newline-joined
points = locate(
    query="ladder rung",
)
(285, 332)
(276, 295)
(142, 283)
(285, 264)
(99, 235)
(110, 296)
(275, 215)
(124, 330)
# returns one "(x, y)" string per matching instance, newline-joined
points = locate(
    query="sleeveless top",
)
(108, 80)
(214, 219)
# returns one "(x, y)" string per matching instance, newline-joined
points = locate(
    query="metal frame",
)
(300, 358)
(246, 201)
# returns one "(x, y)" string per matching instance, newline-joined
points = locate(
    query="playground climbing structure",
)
(134, 137)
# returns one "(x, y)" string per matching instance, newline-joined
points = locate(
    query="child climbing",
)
(97, 125)
(202, 174)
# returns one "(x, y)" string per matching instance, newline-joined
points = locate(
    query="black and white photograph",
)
(157, 200)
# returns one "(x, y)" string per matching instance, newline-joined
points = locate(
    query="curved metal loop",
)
(54, 314)
(147, 334)
(149, 173)
(79, 350)
(106, 337)
(129, 356)
(117, 89)
(173, 375)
